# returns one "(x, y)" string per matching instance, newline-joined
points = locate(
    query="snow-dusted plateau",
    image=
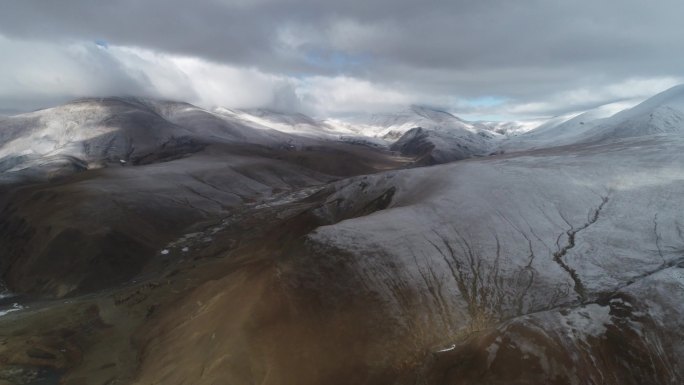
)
(154, 242)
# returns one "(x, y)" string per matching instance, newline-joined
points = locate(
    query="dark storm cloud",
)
(525, 50)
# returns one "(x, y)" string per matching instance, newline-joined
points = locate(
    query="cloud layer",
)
(506, 59)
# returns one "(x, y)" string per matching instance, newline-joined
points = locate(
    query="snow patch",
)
(15, 307)
(492, 350)
(447, 349)
(590, 320)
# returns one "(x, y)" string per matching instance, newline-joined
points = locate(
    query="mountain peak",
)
(672, 97)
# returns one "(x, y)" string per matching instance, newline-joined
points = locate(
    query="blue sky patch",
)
(102, 43)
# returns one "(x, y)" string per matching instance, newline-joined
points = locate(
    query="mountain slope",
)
(526, 267)
(479, 242)
(88, 131)
(94, 133)
(132, 174)
(661, 114)
(565, 130)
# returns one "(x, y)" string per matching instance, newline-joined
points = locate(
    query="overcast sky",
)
(498, 59)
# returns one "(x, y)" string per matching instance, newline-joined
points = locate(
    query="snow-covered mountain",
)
(91, 133)
(565, 129)
(556, 265)
(660, 114)
(294, 123)
(582, 241)
(429, 134)
(432, 135)
(314, 251)
(147, 169)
